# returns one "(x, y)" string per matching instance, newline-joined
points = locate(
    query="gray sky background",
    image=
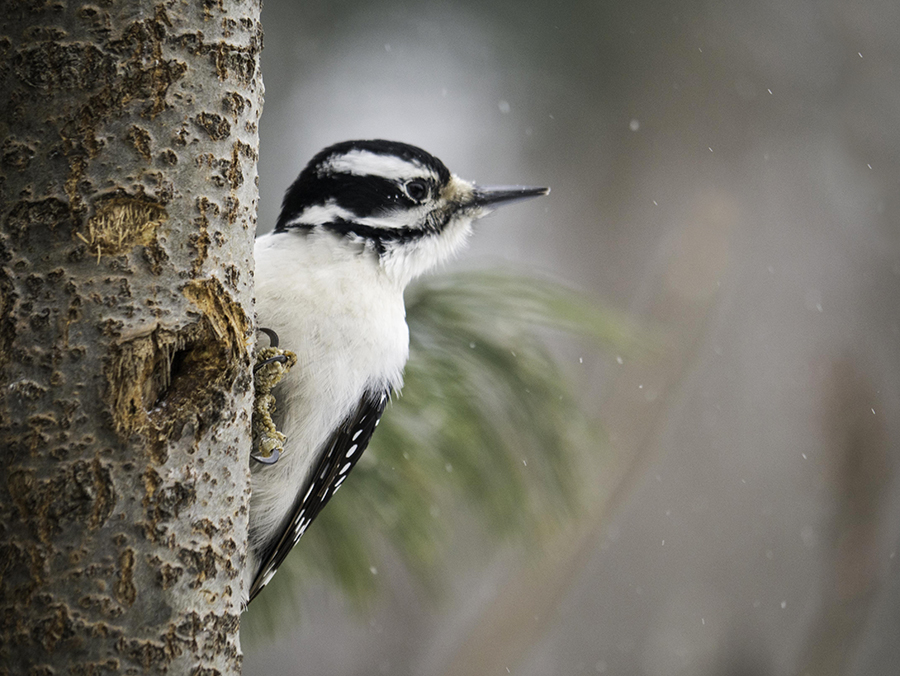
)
(726, 172)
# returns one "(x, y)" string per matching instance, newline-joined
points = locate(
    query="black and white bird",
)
(360, 222)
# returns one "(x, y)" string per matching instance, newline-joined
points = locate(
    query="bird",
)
(361, 221)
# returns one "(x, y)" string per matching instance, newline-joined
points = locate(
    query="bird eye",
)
(417, 189)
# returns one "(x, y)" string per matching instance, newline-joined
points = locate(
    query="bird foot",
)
(272, 364)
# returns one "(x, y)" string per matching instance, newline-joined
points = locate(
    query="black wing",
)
(341, 454)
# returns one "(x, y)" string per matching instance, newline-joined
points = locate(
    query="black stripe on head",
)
(379, 238)
(362, 195)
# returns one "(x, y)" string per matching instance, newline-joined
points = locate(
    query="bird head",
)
(391, 200)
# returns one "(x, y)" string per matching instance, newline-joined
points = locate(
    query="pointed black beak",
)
(495, 196)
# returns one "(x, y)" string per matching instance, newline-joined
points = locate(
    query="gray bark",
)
(127, 205)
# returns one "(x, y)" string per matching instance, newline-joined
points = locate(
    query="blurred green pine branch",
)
(487, 419)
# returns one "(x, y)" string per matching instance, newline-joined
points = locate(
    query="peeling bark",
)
(127, 214)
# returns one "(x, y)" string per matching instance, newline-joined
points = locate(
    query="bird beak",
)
(492, 197)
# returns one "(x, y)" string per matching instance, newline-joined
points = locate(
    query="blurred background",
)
(725, 177)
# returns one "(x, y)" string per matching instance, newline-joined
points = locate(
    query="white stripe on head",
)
(367, 163)
(331, 211)
(394, 221)
(322, 213)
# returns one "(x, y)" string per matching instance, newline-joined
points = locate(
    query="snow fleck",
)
(783, 605)
(808, 536)
(813, 300)
(634, 125)
(619, 360)
(503, 106)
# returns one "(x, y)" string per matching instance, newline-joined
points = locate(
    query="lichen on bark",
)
(127, 213)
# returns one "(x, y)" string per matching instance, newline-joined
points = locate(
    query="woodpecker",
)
(361, 221)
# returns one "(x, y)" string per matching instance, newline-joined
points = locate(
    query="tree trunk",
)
(127, 203)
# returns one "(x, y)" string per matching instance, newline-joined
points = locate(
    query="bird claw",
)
(278, 358)
(268, 442)
(273, 337)
(271, 460)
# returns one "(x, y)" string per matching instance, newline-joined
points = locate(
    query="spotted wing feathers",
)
(340, 456)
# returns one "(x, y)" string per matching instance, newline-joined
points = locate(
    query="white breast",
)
(345, 319)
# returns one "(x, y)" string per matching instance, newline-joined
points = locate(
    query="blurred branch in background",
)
(860, 476)
(642, 395)
(488, 419)
(727, 173)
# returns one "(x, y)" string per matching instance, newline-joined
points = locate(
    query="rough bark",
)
(127, 204)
